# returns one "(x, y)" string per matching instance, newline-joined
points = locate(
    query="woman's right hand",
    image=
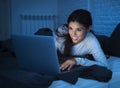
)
(68, 64)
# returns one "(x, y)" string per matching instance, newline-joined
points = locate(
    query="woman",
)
(80, 41)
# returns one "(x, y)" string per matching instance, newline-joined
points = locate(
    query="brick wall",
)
(65, 7)
(106, 15)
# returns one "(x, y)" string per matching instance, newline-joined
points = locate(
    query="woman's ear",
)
(89, 28)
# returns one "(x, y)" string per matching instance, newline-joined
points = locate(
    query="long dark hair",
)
(82, 17)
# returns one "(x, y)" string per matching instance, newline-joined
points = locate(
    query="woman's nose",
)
(74, 32)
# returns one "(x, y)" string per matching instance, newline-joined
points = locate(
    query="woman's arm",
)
(89, 46)
(94, 49)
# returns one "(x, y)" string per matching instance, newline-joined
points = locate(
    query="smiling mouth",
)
(74, 38)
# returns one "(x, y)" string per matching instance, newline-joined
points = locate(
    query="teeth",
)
(74, 38)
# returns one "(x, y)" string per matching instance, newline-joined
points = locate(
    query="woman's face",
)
(77, 32)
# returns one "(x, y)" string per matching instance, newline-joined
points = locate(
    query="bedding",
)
(12, 76)
(114, 63)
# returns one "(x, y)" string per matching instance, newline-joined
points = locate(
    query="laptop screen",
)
(36, 53)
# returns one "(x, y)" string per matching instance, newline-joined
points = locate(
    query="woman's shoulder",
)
(91, 38)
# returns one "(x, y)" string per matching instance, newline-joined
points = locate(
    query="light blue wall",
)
(65, 7)
(42, 7)
(105, 13)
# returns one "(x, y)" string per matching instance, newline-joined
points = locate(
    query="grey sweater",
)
(89, 45)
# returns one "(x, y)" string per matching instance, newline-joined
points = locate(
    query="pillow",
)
(103, 40)
(114, 42)
(44, 31)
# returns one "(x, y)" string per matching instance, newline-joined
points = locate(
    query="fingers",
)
(64, 66)
(70, 66)
(67, 65)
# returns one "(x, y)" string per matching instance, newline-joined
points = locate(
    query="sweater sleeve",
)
(59, 44)
(94, 49)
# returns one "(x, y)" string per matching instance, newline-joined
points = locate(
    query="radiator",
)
(31, 23)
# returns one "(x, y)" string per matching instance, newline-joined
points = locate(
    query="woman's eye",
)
(79, 29)
(70, 28)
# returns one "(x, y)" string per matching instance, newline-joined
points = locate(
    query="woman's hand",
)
(68, 64)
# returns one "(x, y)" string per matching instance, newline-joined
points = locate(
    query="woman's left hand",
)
(68, 64)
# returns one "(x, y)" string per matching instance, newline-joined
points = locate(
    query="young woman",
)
(80, 41)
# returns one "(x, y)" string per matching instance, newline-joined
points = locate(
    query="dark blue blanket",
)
(11, 76)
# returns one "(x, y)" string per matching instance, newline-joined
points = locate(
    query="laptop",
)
(36, 53)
